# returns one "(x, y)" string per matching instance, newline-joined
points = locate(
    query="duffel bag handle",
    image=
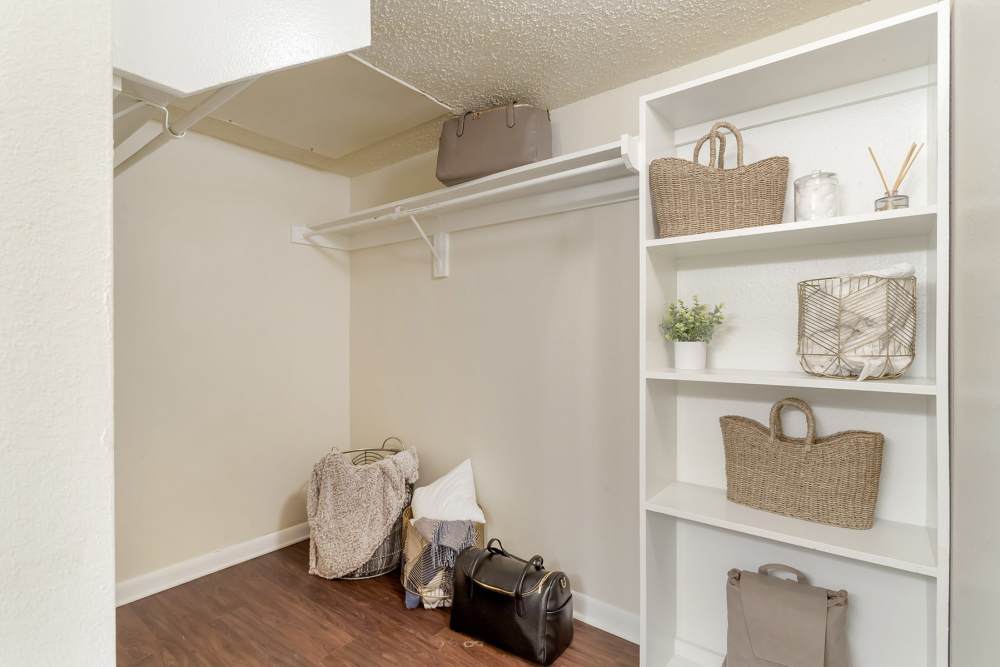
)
(490, 550)
(496, 549)
(500, 551)
(776, 431)
(536, 562)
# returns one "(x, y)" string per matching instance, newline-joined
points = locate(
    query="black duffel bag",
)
(512, 603)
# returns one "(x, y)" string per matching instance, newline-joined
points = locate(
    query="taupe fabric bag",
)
(480, 143)
(776, 622)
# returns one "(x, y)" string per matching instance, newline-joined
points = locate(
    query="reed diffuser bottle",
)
(892, 199)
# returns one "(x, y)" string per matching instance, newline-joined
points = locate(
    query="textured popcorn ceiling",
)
(342, 116)
(474, 53)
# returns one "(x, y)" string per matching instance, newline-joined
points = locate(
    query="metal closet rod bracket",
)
(439, 246)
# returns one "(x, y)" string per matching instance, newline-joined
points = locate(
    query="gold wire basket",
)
(857, 325)
(422, 573)
(390, 552)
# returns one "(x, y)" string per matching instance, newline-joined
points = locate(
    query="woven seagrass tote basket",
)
(832, 480)
(691, 198)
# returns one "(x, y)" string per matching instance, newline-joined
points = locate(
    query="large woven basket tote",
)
(832, 480)
(692, 198)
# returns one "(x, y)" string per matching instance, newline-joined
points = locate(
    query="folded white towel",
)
(901, 270)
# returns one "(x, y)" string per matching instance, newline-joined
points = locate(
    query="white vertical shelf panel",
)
(847, 85)
(942, 275)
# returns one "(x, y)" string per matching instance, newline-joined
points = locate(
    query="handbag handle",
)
(776, 431)
(535, 561)
(787, 569)
(511, 119)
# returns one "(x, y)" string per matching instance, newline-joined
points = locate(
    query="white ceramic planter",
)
(690, 356)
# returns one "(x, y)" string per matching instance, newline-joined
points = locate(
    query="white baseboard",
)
(601, 615)
(139, 587)
(589, 610)
(696, 655)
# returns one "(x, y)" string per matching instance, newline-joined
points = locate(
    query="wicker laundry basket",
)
(388, 555)
(832, 480)
(421, 575)
(691, 198)
(857, 325)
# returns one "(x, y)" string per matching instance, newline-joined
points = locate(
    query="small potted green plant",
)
(690, 328)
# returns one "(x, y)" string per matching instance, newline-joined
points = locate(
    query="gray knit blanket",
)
(352, 508)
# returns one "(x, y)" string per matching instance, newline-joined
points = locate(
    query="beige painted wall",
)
(56, 437)
(231, 348)
(975, 322)
(525, 358)
(397, 181)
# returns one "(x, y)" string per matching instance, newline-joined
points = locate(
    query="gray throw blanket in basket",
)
(352, 508)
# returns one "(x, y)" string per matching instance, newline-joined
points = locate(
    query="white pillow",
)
(449, 498)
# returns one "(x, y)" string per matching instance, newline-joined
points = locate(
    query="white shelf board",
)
(591, 177)
(904, 385)
(900, 43)
(895, 545)
(842, 229)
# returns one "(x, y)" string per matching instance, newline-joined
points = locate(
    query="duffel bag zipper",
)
(534, 589)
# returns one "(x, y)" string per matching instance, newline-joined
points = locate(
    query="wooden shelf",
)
(895, 545)
(904, 385)
(843, 229)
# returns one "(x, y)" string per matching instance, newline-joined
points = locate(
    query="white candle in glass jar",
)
(816, 196)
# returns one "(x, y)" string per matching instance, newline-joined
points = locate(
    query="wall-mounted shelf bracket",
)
(597, 176)
(439, 247)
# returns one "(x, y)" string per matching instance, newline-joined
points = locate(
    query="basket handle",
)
(723, 125)
(777, 433)
(390, 438)
(714, 159)
(788, 569)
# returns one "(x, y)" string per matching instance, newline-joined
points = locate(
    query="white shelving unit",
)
(883, 85)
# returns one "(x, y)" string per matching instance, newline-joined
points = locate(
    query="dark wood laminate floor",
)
(269, 611)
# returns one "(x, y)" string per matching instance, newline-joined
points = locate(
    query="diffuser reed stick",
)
(879, 168)
(904, 169)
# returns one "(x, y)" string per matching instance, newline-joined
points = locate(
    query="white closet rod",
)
(176, 130)
(506, 189)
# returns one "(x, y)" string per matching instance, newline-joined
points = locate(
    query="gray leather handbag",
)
(777, 622)
(480, 143)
